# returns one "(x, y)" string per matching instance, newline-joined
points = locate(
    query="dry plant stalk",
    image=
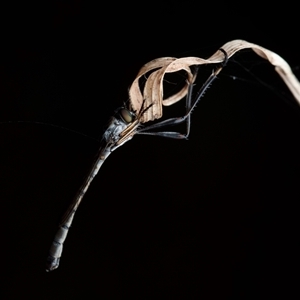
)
(153, 90)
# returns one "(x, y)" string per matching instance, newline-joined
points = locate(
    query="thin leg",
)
(186, 117)
(188, 104)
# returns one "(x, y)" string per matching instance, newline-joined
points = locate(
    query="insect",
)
(122, 127)
(147, 106)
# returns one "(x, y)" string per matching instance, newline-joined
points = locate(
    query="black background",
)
(213, 217)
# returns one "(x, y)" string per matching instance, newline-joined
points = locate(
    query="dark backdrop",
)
(213, 217)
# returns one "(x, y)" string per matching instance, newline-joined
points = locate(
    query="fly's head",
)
(132, 121)
(120, 128)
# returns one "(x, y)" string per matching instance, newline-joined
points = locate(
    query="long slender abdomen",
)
(56, 248)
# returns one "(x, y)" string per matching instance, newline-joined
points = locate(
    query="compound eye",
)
(127, 115)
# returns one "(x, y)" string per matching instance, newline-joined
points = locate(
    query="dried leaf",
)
(153, 90)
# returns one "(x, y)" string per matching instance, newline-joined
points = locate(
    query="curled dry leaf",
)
(153, 89)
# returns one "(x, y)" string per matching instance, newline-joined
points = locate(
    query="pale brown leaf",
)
(153, 90)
